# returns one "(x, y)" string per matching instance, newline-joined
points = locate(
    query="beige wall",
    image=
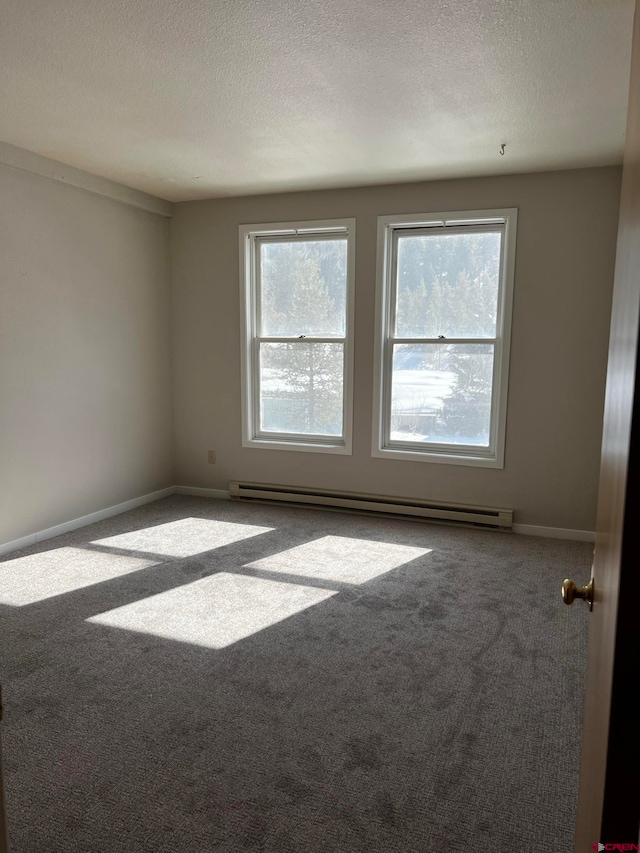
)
(85, 403)
(85, 409)
(564, 273)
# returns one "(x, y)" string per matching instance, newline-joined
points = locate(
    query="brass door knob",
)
(570, 592)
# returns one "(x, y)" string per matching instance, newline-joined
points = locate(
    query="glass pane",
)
(441, 393)
(447, 284)
(304, 288)
(301, 387)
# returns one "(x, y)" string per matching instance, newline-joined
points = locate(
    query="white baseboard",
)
(17, 544)
(222, 494)
(83, 521)
(201, 493)
(555, 532)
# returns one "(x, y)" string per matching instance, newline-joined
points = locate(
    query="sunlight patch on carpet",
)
(183, 538)
(26, 580)
(215, 611)
(339, 558)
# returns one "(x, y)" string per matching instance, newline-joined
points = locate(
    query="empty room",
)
(318, 329)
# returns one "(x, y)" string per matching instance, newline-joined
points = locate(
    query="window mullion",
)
(444, 341)
(304, 339)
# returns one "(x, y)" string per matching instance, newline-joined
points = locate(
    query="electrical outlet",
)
(212, 457)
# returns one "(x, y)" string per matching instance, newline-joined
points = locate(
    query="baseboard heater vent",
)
(412, 508)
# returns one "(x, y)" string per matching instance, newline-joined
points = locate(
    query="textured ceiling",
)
(199, 98)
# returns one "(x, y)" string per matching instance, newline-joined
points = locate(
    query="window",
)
(445, 285)
(297, 303)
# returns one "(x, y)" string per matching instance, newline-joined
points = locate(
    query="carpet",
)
(199, 675)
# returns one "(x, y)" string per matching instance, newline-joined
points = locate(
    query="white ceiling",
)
(190, 99)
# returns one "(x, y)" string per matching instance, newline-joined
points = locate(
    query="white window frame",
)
(388, 230)
(252, 436)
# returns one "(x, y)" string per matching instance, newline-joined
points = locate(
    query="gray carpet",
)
(207, 676)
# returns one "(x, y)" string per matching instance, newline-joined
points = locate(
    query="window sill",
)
(437, 457)
(300, 446)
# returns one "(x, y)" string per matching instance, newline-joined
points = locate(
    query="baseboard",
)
(555, 532)
(17, 544)
(83, 521)
(222, 494)
(201, 493)
(523, 529)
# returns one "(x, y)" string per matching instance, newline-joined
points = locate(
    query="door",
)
(609, 801)
(3, 822)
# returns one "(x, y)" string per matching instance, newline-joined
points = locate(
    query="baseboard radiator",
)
(411, 508)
